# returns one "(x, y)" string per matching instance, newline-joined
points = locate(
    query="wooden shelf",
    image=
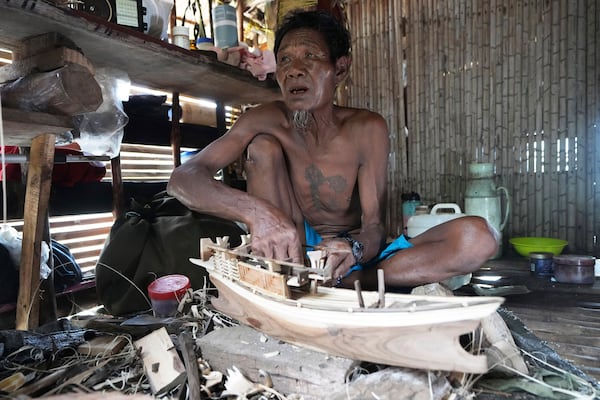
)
(148, 61)
(20, 127)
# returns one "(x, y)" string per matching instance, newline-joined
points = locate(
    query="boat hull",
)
(424, 339)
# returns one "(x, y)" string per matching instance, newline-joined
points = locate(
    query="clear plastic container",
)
(166, 293)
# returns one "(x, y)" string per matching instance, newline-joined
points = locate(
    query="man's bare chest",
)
(323, 185)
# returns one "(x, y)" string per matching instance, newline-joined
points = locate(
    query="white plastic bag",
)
(13, 241)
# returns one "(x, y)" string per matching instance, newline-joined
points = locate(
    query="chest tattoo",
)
(316, 180)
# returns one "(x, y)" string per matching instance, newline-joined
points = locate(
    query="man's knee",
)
(480, 236)
(263, 150)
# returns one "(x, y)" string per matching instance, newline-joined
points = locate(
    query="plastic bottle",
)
(225, 26)
(410, 201)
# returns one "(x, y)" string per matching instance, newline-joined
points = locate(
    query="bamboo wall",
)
(515, 83)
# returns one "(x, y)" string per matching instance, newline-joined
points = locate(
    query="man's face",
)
(305, 74)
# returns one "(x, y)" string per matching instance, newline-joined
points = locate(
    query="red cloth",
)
(65, 174)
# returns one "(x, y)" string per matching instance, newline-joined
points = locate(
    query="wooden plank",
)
(20, 127)
(186, 342)
(162, 364)
(36, 208)
(272, 282)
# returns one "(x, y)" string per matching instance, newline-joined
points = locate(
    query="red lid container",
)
(169, 287)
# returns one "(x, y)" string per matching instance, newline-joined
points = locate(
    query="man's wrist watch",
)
(356, 246)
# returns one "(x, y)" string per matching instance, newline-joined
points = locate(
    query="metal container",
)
(574, 269)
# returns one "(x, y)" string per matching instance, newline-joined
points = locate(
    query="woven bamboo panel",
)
(514, 83)
(377, 83)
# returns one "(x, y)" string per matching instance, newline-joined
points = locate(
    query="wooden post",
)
(176, 130)
(39, 179)
(240, 20)
(117, 187)
(48, 310)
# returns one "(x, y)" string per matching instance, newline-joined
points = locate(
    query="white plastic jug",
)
(440, 213)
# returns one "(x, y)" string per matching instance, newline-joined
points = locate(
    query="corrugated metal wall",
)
(515, 83)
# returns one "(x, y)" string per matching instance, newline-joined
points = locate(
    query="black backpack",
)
(66, 270)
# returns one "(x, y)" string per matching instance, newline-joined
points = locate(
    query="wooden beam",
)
(39, 178)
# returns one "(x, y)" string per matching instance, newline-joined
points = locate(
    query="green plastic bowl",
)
(526, 245)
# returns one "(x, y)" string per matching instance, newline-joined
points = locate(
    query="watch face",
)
(100, 8)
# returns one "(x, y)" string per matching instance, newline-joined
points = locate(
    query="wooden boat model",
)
(283, 300)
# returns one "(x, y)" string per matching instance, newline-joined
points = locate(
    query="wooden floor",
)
(565, 316)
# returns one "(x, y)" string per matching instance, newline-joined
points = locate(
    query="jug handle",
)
(503, 189)
(445, 206)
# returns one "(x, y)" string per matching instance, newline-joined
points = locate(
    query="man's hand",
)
(277, 238)
(339, 257)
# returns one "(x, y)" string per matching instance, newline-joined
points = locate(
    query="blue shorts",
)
(313, 238)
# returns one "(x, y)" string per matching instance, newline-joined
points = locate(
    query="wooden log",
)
(292, 369)
(43, 62)
(69, 90)
(13, 340)
(39, 43)
(162, 364)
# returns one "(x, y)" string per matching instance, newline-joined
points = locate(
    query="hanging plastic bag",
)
(101, 131)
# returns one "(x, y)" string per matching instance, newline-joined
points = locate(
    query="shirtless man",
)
(314, 168)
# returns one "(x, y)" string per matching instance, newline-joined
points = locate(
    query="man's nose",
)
(296, 68)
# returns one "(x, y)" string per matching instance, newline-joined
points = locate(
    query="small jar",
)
(166, 293)
(204, 44)
(181, 36)
(574, 269)
(541, 263)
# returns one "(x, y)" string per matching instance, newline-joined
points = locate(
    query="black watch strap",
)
(357, 247)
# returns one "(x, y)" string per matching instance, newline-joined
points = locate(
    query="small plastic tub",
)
(166, 292)
(541, 263)
(574, 269)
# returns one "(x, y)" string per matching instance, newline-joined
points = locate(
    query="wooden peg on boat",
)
(381, 288)
(223, 242)
(317, 258)
(357, 287)
(206, 250)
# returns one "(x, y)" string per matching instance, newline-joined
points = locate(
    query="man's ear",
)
(342, 66)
